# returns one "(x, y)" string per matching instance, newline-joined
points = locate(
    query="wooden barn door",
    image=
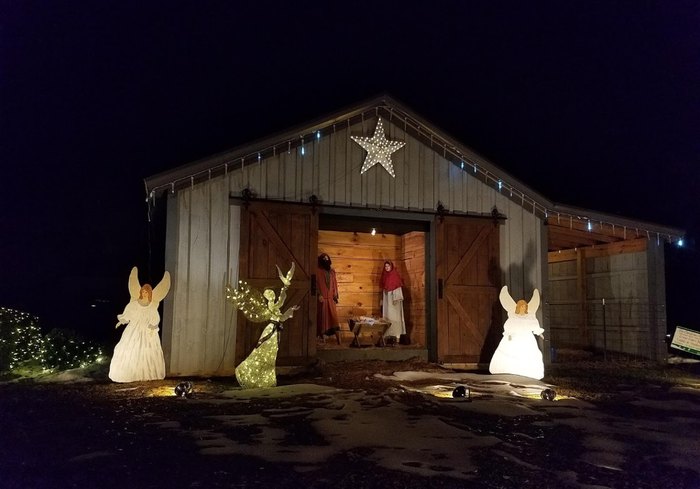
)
(279, 234)
(467, 289)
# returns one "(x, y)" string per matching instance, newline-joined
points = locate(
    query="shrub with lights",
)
(21, 340)
(23, 344)
(65, 350)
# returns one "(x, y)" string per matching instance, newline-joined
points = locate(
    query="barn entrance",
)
(449, 266)
(358, 247)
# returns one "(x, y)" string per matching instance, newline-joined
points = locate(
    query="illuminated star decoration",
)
(378, 148)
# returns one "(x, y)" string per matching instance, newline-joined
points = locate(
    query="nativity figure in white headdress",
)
(138, 355)
(518, 353)
(258, 369)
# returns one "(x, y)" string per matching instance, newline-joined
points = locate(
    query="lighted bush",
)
(23, 345)
(20, 339)
(65, 349)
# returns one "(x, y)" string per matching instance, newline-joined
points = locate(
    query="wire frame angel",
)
(258, 369)
(138, 355)
(517, 352)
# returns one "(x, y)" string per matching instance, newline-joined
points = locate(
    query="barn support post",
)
(657, 349)
(605, 334)
(431, 292)
(543, 313)
(581, 292)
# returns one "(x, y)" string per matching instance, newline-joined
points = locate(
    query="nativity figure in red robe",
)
(327, 292)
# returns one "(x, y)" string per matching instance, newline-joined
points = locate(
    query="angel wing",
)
(534, 303)
(286, 279)
(134, 285)
(162, 288)
(249, 301)
(506, 300)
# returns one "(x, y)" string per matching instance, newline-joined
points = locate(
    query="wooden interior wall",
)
(358, 259)
(413, 274)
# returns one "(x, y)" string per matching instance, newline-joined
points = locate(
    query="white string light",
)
(448, 150)
(379, 149)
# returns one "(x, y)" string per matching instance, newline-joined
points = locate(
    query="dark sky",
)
(594, 104)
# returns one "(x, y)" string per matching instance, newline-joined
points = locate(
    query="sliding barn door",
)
(279, 234)
(468, 311)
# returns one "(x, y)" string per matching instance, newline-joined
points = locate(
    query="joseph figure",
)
(327, 285)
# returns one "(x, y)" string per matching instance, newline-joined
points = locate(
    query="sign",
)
(686, 340)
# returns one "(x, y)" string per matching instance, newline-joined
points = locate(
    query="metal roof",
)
(393, 111)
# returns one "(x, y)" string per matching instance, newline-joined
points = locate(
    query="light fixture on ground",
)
(374, 231)
(461, 392)
(548, 394)
(184, 389)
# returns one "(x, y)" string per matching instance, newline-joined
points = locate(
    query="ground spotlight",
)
(184, 389)
(548, 394)
(461, 392)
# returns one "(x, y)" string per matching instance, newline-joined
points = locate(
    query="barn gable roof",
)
(563, 219)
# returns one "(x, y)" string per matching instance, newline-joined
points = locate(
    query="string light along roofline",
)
(463, 158)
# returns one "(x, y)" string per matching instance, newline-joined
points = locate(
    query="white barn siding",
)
(204, 260)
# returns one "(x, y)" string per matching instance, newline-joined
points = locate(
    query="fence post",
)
(605, 336)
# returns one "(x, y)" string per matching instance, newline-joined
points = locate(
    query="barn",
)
(376, 182)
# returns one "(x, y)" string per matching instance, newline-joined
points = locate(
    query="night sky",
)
(593, 104)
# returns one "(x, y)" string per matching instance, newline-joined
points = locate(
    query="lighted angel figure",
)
(139, 355)
(518, 353)
(258, 369)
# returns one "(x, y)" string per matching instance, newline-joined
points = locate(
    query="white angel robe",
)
(392, 309)
(258, 369)
(518, 353)
(138, 355)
